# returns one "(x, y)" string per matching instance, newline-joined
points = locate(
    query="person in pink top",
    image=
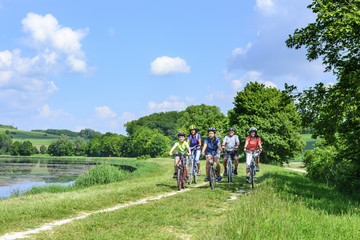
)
(253, 142)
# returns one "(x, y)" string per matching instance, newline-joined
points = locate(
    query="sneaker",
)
(199, 173)
(206, 179)
(258, 168)
(219, 178)
(175, 175)
(225, 173)
(235, 171)
(247, 180)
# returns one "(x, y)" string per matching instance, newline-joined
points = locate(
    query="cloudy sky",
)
(98, 64)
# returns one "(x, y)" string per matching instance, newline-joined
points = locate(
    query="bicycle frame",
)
(212, 170)
(229, 165)
(180, 171)
(193, 167)
(254, 154)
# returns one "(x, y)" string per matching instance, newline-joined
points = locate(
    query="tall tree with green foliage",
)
(333, 111)
(204, 116)
(5, 143)
(61, 147)
(274, 114)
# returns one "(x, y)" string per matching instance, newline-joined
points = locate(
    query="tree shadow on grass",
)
(314, 194)
(171, 186)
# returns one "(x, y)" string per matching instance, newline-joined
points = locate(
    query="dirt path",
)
(297, 170)
(49, 226)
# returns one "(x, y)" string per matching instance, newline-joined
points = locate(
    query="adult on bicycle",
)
(194, 140)
(212, 146)
(231, 144)
(253, 142)
(181, 147)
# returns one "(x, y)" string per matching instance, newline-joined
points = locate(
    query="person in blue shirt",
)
(212, 148)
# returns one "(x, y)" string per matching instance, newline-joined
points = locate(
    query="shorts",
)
(184, 160)
(197, 156)
(211, 154)
(234, 154)
(248, 159)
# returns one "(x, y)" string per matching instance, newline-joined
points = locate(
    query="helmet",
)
(211, 129)
(193, 127)
(231, 129)
(252, 129)
(181, 133)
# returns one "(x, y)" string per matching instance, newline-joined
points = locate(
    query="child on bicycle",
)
(231, 144)
(212, 148)
(181, 147)
(253, 142)
(194, 140)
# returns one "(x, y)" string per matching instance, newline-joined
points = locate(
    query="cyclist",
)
(181, 146)
(212, 145)
(194, 140)
(231, 143)
(252, 142)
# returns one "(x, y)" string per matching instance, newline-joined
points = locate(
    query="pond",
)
(20, 175)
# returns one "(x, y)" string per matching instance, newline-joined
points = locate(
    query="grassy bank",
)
(284, 205)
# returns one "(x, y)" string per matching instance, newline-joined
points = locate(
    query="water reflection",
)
(22, 174)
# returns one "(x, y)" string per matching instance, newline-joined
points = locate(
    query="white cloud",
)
(236, 84)
(268, 53)
(266, 7)
(46, 112)
(162, 66)
(270, 84)
(127, 117)
(104, 112)
(24, 81)
(173, 103)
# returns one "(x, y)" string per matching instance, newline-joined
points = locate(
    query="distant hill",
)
(44, 137)
(35, 138)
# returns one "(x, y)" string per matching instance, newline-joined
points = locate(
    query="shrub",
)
(101, 174)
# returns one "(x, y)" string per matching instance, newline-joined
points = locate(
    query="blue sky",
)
(98, 64)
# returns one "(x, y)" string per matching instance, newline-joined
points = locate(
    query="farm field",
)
(36, 138)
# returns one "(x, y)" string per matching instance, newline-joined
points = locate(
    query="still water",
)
(20, 175)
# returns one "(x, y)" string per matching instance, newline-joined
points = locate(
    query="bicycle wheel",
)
(191, 174)
(252, 169)
(196, 171)
(213, 180)
(229, 170)
(178, 178)
(183, 177)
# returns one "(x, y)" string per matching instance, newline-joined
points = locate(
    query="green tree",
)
(204, 116)
(26, 149)
(79, 146)
(15, 148)
(333, 112)
(165, 122)
(274, 114)
(43, 149)
(61, 147)
(5, 143)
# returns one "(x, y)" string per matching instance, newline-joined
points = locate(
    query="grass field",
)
(284, 205)
(35, 138)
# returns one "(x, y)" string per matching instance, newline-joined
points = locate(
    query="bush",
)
(43, 149)
(101, 174)
(320, 163)
(143, 157)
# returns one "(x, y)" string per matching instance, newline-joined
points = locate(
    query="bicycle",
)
(254, 154)
(194, 170)
(229, 165)
(180, 177)
(212, 170)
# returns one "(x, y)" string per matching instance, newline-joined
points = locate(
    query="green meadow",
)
(283, 205)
